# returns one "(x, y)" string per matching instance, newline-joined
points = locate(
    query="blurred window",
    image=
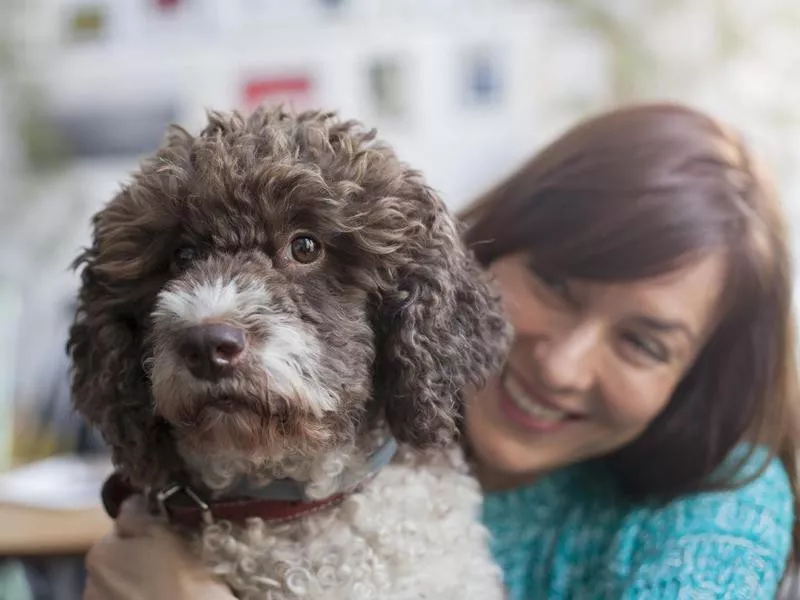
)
(87, 22)
(388, 88)
(483, 77)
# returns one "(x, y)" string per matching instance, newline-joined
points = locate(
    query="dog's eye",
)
(305, 249)
(183, 257)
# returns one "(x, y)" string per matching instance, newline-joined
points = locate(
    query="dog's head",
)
(263, 285)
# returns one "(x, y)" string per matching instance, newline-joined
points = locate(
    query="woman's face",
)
(591, 366)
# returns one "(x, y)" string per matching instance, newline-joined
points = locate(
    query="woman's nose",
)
(566, 359)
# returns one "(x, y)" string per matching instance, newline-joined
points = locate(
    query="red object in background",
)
(167, 4)
(279, 88)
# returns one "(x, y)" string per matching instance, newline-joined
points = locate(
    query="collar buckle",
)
(171, 491)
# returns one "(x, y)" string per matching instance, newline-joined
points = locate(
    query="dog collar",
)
(181, 505)
(293, 490)
(278, 502)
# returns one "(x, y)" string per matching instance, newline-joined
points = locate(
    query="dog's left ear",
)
(440, 325)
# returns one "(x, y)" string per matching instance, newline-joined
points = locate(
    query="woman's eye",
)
(183, 257)
(650, 348)
(305, 249)
(557, 285)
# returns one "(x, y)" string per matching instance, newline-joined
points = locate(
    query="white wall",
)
(440, 135)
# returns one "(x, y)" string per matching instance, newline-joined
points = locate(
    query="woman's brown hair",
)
(641, 191)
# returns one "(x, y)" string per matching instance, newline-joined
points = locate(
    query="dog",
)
(276, 326)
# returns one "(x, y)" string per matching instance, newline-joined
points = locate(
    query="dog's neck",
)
(292, 477)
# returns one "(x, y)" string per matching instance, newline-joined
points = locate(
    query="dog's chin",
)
(228, 423)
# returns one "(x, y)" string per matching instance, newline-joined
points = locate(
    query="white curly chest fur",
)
(413, 532)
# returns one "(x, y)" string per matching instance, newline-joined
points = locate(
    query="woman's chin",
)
(500, 450)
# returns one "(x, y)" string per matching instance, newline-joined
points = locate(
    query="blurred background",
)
(464, 90)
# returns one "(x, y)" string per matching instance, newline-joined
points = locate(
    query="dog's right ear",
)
(110, 387)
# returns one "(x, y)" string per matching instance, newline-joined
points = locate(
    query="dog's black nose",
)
(212, 350)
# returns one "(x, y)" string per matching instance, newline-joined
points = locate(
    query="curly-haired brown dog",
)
(277, 299)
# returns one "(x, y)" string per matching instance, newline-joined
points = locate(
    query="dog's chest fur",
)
(413, 532)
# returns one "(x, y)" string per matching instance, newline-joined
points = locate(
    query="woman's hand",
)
(142, 560)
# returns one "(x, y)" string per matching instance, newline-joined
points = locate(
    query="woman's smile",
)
(528, 408)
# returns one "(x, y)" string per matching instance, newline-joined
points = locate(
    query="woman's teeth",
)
(524, 402)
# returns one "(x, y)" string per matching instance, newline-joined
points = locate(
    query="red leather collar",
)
(182, 508)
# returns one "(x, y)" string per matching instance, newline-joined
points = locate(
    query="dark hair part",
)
(641, 191)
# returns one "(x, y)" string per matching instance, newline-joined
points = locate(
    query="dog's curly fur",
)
(386, 325)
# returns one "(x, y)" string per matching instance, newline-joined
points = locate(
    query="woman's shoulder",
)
(728, 543)
(763, 503)
(574, 535)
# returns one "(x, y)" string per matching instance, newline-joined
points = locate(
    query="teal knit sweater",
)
(572, 535)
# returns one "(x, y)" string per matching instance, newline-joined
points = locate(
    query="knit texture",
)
(572, 535)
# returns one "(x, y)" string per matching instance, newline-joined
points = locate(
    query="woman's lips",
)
(530, 410)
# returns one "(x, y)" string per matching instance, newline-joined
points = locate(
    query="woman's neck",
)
(492, 480)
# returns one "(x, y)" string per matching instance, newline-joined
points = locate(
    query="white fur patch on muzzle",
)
(288, 354)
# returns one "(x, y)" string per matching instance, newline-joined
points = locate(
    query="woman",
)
(641, 441)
